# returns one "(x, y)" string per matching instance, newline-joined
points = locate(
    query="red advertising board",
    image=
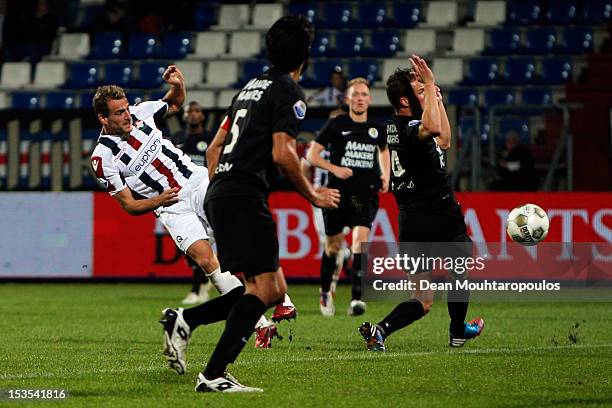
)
(126, 246)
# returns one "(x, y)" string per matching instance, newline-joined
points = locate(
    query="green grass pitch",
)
(102, 344)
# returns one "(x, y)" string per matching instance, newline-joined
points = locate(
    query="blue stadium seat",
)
(367, 68)
(252, 69)
(562, 12)
(578, 40)
(61, 100)
(504, 41)
(320, 72)
(499, 97)
(107, 45)
(25, 100)
(372, 15)
(350, 43)
(385, 43)
(337, 15)
(83, 75)
(407, 15)
(89, 12)
(467, 125)
(204, 17)
(523, 12)
(310, 10)
(556, 70)
(322, 45)
(150, 74)
(541, 41)
(537, 96)
(597, 11)
(119, 74)
(463, 97)
(516, 125)
(175, 46)
(482, 71)
(135, 97)
(141, 46)
(520, 71)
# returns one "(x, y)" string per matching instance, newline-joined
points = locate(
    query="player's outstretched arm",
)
(384, 160)
(175, 97)
(286, 158)
(138, 207)
(314, 157)
(213, 153)
(430, 121)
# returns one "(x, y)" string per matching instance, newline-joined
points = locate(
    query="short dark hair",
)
(103, 95)
(398, 86)
(288, 42)
(194, 105)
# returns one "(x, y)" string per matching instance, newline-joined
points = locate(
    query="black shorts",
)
(245, 233)
(425, 225)
(354, 210)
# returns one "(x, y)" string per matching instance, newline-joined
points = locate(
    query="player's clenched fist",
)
(172, 75)
(326, 197)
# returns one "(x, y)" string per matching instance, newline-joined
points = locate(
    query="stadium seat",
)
(537, 96)
(320, 72)
(210, 44)
(463, 97)
(150, 75)
(83, 75)
(221, 73)
(390, 65)
(49, 74)
(4, 104)
(541, 41)
(15, 74)
(523, 12)
(60, 100)
(175, 46)
(119, 74)
(379, 97)
(337, 15)
(597, 11)
(310, 10)
(322, 45)
(449, 71)
(420, 41)
(372, 15)
(252, 69)
(350, 43)
(468, 41)
(407, 15)
(489, 14)
(224, 98)
(441, 14)
(264, 15)
(561, 12)
(207, 99)
(520, 71)
(141, 46)
(25, 100)
(482, 71)
(385, 43)
(204, 17)
(519, 126)
(367, 68)
(467, 127)
(577, 40)
(233, 15)
(504, 41)
(494, 97)
(135, 97)
(193, 71)
(556, 70)
(73, 46)
(245, 44)
(107, 45)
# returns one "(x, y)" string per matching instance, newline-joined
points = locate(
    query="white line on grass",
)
(271, 358)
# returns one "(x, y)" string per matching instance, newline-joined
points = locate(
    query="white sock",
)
(287, 301)
(224, 282)
(262, 322)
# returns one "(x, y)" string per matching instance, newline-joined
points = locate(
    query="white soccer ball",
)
(527, 224)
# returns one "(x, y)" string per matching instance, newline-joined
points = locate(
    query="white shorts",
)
(186, 221)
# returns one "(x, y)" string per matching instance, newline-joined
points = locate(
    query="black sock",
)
(357, 275)
(457, 302)
(400, 317)
(214, 310)
(238, 328)
(328, 266)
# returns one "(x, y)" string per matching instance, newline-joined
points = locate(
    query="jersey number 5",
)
(235, 131)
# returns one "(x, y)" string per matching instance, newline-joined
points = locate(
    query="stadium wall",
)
(87, 235)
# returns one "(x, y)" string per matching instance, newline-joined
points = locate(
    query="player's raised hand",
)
(342, 172)
(326, 197)
(169, 197)
(422, 70)
(173, 76)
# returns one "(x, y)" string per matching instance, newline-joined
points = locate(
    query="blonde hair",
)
(358, 80)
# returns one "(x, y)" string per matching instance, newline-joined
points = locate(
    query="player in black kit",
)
(359, 168)
(417, 135)
(257, 135)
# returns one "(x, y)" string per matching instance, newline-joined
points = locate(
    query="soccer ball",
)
(527, 224)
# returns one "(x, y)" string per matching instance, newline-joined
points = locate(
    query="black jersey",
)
(353, 145)
(418, 170)
(270, 103)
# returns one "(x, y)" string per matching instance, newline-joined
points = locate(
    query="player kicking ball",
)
(428, 212)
